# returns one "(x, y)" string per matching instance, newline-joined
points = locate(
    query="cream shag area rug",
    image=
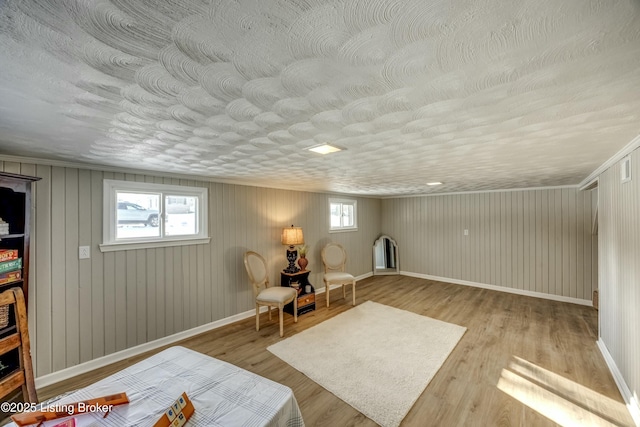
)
(377, 358)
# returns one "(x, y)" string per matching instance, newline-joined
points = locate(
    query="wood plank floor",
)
(516, 349)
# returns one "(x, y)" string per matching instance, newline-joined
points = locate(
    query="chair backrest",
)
(257, 270)
(14, 343)
(334, 257)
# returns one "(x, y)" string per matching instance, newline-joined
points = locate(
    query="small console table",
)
(306, 291)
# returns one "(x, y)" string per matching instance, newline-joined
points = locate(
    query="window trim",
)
(341, 229)
(109, 226)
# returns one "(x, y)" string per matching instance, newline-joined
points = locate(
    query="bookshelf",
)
(15, 211)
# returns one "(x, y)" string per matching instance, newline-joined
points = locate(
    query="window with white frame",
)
(343, 214)
(142, 215)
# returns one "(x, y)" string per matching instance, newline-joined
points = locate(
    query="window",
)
(343, 215)
(142, 215)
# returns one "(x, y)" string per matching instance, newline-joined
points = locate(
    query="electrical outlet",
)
(84, 252)
(466, 232)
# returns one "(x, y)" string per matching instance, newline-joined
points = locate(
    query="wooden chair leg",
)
(295, 310)
(257, 317)
(344, 290)
(280, 307)
(354, 292)
(327, 288)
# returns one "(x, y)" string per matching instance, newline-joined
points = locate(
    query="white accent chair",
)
(334, 258)
(276, 296)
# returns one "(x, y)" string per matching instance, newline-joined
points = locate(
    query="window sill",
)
(342, 230)
(123, 246)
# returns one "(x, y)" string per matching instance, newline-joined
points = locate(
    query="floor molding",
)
(99, 362)
(501, 289)
(633, 406)
(72, 371)
(82, 368)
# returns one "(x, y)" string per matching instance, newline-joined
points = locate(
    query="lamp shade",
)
(292, 236)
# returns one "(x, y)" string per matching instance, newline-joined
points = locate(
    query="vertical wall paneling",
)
(12, 167)
(151, 301)
(141, 284)
(542, 284)
(131, 292)
(151, 296)
(109, 289)
(485, 254)
(540, 251)
(565, 248)
(157, 313)
(120, 303)
(619, 273)
(530, 240)
(518, 273)
(573, 246)
(96, 282)
(58, 270)
(85, 309)
(537, 240)
(580, 244)
(494, 216)
(169, 302)
(533, 240)
(556, 241)
(84, 266)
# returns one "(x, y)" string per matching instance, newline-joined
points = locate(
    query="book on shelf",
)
(10, 277)
(4, 227)
(15, 264)
(8, 254)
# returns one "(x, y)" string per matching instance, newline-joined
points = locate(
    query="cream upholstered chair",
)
(334, 258)
(276, 296)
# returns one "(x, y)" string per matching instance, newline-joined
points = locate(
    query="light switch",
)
(466, 232)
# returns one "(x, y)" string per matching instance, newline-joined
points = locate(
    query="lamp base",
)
(292, 255)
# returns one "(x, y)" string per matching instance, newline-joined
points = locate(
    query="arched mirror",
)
(385, 256)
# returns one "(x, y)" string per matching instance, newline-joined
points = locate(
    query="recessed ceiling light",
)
(434, 183)
(325, 149)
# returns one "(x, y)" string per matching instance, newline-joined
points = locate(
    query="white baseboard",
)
(99, 362)
(501, 288)
(633, 406)
(632, 402)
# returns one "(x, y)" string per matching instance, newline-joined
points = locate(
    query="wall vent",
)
(625, 169)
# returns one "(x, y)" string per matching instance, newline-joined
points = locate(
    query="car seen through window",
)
(132, 213)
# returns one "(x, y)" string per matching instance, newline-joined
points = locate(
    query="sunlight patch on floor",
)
(563, 401)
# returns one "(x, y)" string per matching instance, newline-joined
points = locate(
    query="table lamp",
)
(292, 236)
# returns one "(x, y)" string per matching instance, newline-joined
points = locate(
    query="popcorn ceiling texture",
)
(478, 94)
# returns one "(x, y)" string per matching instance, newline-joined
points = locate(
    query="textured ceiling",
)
(480, 95)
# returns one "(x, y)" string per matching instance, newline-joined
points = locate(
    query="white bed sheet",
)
(222, 394)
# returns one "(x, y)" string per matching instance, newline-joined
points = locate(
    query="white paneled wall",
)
(532, 241)
(535, 240)
(84, 309)
(619, 240)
